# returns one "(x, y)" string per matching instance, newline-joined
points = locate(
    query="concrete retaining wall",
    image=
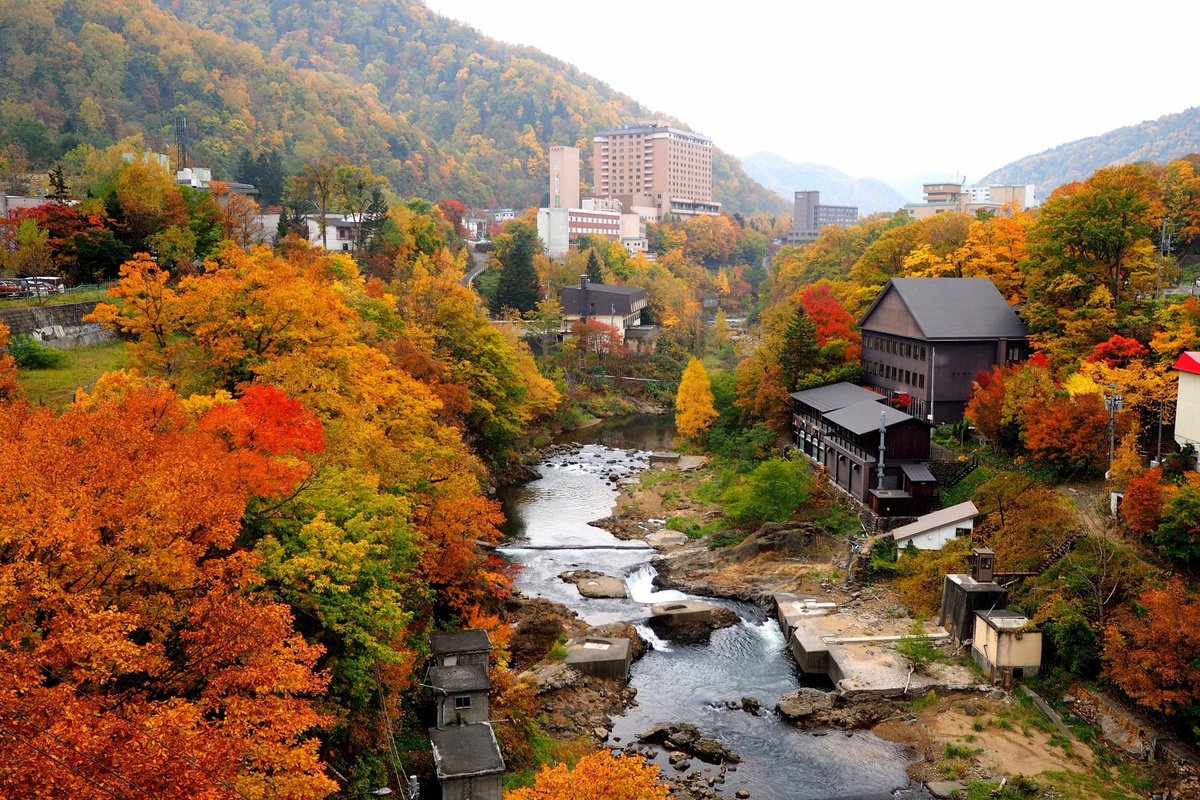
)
(60, 326)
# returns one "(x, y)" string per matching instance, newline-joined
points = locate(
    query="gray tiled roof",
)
(954, 308)
(936, 519)
(464, 751)
(864, 417)
(470, 641)
(833, 396)
(462, 678)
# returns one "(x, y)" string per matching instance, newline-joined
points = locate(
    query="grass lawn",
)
(56, 387)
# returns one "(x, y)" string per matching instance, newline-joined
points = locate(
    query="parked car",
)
(51, 282)
(10, 290)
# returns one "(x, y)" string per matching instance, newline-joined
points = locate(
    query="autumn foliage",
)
(1152, 656)
(598, 776)
(694, 409)
(136, 658)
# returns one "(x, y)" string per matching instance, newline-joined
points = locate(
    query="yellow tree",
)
(694, 409)
(597, 776)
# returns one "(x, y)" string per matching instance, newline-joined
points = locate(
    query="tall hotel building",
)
(658, 166)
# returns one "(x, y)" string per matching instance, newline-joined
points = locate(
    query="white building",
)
(558, 228)
(339, 231)
(1187, 402)
(932, 531)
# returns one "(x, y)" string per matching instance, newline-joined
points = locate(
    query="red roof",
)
(1189, 362)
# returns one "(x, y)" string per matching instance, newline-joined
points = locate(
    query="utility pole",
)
(882, 447)
(932, 379)
(1113, 403)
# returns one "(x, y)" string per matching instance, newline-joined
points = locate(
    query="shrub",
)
(771, 493)
(29, 353)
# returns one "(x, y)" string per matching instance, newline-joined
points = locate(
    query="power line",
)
(217, 781)
(61, 763)
(71, 747)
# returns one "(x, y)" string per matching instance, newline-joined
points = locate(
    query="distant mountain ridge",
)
(836, 187)
(1169, 137)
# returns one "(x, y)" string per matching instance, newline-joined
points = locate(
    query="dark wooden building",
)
(929, 338)
(839, 426)
(460, 647)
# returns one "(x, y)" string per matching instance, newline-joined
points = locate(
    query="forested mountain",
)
(836, 187)
(439, 109)
(95, 71)
(1159, 140)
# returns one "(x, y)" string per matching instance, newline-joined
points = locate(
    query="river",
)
(548, 526)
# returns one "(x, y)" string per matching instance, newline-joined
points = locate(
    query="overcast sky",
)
(879, 89)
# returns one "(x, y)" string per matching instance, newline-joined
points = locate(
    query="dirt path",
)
(1086, 497)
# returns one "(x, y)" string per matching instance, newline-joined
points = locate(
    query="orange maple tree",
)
(1143, 504)
(1152, 656)
(135, 659)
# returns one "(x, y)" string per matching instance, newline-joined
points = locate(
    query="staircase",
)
(1060, 550)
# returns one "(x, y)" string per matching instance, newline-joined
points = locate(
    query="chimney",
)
(583, 298)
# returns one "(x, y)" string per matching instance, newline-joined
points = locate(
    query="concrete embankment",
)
(60, 326)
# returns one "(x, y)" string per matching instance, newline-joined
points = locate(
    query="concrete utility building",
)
(809, 216)
(1005, 646)
(928, 338)
(605, 657)
(655, 165)
(1187, 402)
(963, 595)
(932, 531)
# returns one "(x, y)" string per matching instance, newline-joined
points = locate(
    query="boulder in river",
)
(595, 585)
(689, 739)
(804, 703)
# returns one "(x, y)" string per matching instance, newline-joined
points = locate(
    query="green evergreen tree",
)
(594, 273)
(799, 355)
(519, 287)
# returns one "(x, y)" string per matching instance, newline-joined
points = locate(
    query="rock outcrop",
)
(689, 739)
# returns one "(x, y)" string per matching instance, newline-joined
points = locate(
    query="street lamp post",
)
(1114, 403)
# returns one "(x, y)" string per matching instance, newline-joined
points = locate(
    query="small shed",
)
(1006, 646)
(601, 656)
(468, 762)
(932, 531)
(460, 647)
(460, 692)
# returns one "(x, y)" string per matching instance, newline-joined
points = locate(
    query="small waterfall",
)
(641, 587)
(651, 638)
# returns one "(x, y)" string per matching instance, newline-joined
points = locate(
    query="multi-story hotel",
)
(655, 165)
(810, 217)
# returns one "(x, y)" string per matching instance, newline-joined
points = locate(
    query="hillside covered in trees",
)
(1160, 140)
(431, 104)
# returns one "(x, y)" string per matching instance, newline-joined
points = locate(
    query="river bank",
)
(798, 559)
